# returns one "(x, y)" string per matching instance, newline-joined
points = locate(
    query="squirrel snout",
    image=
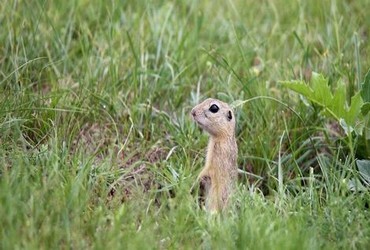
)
(193, 113)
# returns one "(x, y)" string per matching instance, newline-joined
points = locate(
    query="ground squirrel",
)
(219, 174)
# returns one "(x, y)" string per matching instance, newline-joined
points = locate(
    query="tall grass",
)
(97, 149)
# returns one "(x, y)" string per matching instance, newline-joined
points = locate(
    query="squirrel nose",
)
(193, 113)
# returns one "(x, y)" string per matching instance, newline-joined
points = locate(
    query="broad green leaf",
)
(365, 94)
(299, 87)
(355, 184)
(364, 169)
(355, 109)
(365, 88)
(333, 104)
(365, 108)
(322, 93)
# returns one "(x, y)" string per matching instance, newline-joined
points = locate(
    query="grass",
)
(97, 149)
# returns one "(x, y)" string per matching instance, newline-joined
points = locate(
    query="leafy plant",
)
(364, 169)
(365, 94)
(351, 116)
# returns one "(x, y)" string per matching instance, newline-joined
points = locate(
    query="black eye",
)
(214, 108)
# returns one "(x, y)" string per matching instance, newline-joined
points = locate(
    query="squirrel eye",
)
(214, 108)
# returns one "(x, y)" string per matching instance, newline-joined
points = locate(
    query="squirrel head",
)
(215, 117)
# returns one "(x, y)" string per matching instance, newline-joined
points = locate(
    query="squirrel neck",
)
(221, 150)
(222, 138)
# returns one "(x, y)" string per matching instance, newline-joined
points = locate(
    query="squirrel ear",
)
(229, 116)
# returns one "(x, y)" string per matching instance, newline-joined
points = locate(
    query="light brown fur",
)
(219, 174)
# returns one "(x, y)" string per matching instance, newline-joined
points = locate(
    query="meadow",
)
(98, 149)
